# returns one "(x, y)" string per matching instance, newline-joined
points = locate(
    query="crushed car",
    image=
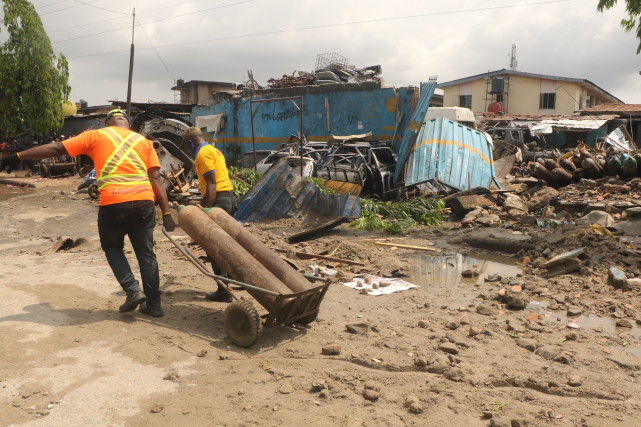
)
(368, 164)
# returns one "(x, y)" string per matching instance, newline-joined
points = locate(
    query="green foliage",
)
(243, 180)
(34, 80)
(320, 183)
(633, 9)
(396, 217)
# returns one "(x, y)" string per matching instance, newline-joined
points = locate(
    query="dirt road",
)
(446, 353)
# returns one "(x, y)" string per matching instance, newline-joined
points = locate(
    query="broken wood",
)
(313, 232)
(305, 255)
(418, 248)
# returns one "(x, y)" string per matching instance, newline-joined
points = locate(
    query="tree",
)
(34, 80)
(633, 9)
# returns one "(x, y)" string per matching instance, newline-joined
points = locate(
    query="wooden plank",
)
(305, 255)
(396, 245)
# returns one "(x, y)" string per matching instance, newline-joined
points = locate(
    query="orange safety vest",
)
(122, 158)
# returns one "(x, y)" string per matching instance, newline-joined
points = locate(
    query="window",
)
(499, 97)
(547, 101)
(465, 101)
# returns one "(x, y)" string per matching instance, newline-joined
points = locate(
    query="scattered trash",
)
(566, 263)
(374, 285)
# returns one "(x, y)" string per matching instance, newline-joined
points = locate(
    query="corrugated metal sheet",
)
(413, 127)
(282, 193)
(452, 154)
(614, 107)
(566, 124)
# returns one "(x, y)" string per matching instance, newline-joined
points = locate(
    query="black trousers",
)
(227, 201)
(136, 220)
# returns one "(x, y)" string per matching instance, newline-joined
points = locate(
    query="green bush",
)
(396, 217)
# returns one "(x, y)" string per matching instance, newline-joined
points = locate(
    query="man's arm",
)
(161, 197)
(54, 149)
(210, 198)
(159, 190)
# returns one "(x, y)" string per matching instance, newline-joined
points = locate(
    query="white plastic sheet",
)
(379, 285)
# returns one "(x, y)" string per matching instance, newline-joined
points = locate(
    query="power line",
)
(156, 51)
(85, 25)
(369, 21)
(51, 4)
(101, 8)
(171, 5)
(158, 20)
(119, 17)
(60, 10)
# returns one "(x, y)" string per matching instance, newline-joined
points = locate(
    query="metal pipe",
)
(230, 255)
(268, 258)
(301, 109)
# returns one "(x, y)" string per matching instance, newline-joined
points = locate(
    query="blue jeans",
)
(137, 220)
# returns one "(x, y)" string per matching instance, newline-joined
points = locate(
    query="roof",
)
(183, 108)
(201, 82)
(504, 72)
(613, 108)
(538, 117)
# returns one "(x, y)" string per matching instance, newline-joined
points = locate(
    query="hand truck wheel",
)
(93, 191)
(242, 323)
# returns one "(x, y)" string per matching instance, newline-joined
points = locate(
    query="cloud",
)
(568, 39)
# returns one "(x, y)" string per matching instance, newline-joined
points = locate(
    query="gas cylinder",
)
(614, 166)
(629, 167)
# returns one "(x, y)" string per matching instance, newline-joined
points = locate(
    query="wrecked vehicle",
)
(312, 152)
(511, 140)
(368, 164)
(165, 131)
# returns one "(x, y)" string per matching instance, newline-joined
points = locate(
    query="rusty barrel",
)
(229, 254)
(295, 281)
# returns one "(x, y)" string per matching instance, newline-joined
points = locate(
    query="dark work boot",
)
(221, 295)
(132, 301)
(151, 308)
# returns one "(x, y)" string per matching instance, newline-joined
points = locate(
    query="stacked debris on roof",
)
(331, 74)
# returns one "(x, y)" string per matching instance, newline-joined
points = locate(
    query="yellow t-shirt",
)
(209, 159)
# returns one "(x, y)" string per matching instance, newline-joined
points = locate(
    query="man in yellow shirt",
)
(215, 186)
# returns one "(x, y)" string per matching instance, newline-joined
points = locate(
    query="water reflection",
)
(445, 270)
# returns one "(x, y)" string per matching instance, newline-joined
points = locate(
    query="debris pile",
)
(332, 74)
(584, 163)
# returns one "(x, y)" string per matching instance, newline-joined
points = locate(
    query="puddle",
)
(445, 270)
(587, 321)
(442, 274)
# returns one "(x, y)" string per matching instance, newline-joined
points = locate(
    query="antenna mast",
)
(513, 61)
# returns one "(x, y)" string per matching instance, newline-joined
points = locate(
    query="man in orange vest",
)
(128, 176)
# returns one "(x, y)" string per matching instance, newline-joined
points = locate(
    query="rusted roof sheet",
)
(614, 108)
(538, 117)
(283, 193)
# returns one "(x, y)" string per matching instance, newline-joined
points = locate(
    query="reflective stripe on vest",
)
(124, 151)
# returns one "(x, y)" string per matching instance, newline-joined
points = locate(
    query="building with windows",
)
(200, 92)
(518, 93)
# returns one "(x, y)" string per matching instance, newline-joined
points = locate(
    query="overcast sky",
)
(412, 40)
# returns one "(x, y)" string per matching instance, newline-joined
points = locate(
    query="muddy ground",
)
(450, 352)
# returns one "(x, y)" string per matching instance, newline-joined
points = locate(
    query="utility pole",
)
(131, 64)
